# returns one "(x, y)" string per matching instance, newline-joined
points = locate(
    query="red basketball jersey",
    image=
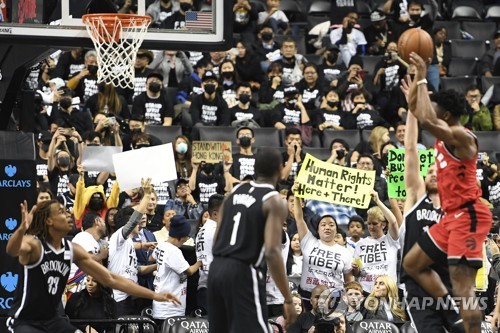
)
(457, 182)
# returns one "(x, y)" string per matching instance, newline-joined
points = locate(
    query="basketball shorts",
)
(461, 234)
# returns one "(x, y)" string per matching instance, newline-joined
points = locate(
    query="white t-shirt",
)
(204, 243)
(122, 260)
(278, 15)
(323, 264)
(379, 257)
(273, 294)
(90, 245)
(170, 277)
(354, 39)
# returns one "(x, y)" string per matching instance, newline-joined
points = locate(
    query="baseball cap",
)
(156, 75)
(146, 53)
(58, 82)
(377, 16)
(290, 91)
(209, 75)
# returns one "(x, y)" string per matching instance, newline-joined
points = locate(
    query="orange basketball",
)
(415, 40)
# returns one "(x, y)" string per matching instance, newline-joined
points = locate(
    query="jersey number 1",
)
(236, 225)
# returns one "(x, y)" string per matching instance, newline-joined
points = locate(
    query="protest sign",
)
(155, 162)
(396, 166)
(211, 151)
(99, 158)
(333, 183)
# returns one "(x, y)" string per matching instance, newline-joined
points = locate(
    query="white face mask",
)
(182, 148)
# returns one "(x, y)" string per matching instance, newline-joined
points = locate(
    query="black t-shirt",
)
(67, 66)
(391, 79)
(243, 165)
(491, 190)
(208, 185)
(209, 113)
(154, 110)
(287, 115)
(175, 21)
(267, 94)
(336, 117)
(87, 87)
(238, 113)
(59, 180)
(369, 119)
(311, 96)
(80, 120)
(331, 73)
(295, 166)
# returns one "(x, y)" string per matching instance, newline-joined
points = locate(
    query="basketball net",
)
(116, 38)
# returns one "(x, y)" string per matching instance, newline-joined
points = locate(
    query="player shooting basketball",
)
(462, 231)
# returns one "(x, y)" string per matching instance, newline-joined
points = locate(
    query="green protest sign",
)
(396, 166)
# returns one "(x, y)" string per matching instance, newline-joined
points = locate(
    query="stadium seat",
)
(457, 83)
(452, 28)
(487, 82)
(465, 13)
(493, 13)
(320, 153)
(476, 4)
(468, 48)
(427, 139)
(218, 133)
(488, 140)
(266, 136)
(480, 30)
(316, 59)
(292, 10)
(433, 13)
(407, 328)
(462, 67)
(167, 324)
(166, 134)
(352, 137)
(374, 325)
(369, 63)
(134, 327)
(320, 8)
(190, 325)
(147, 312)
(364, 23)
(363, 8)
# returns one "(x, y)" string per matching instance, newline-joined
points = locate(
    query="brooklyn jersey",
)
(43, 283)
(457, 183)
(241, 231)
(417, 221)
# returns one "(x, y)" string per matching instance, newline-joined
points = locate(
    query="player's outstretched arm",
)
(276, 213)
(420, 105)
(415, 186)
(83, 260)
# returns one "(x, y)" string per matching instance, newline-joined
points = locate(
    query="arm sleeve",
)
(131, 224)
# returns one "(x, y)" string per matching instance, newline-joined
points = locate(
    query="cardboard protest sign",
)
(396, 166)
(211, 151)
(333, 183)
(99, 158)
(155, 162)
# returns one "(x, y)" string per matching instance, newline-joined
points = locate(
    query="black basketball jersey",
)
(241, 231)
(416, 222)
(43, 283)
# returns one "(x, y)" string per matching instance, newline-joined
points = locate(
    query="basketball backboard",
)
(58, 23)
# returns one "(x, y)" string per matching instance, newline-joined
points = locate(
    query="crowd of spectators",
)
(308, 75)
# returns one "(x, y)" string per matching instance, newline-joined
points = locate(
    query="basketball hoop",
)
(117, 38)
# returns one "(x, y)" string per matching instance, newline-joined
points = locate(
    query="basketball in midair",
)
(415, 40)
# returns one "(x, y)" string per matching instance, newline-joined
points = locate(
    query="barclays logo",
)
(11, 223)
(9, 281)
(10, 170)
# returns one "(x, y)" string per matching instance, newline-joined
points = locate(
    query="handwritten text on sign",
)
(211, 151)
(333, 183)
(396, 166)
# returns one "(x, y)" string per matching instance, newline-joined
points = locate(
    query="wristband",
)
(423, 81)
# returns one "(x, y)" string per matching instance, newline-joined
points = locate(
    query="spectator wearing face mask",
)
(153, 103)
(244, 110)
(339, 149)
(142, 61)
(228, 81)
(92, 199)
(182, 155)
(330, 115)
(244, 160)
(329, 71)
(266, 48)
(292, 112)
(205, 182)
(137, 126)
(69, 115)
(60, 162)
(85, 82)
(271, 90)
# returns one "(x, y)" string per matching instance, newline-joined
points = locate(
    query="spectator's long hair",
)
(38, 226)
(183, 158)
(376, 139)
(392, 297)
(109, 97)
(105, 294)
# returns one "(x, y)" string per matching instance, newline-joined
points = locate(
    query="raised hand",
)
(27, 217)
(146, 186)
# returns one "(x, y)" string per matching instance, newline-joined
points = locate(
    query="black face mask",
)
(136, 130)
(154, 87)
(63, 161)
(227, 75)
(209, 88)
(332, 57)
(340, 154)
(358, 103)
(267, 36)
(96, 204)
(92, 69)
(101, 87)
(333, 105)
(185, 6)
(142, 145)
(65, 103)
(208, 168)
(244, 98)
(245, 141)
(415, 17)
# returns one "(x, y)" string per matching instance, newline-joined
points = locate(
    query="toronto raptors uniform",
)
(462, 231)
